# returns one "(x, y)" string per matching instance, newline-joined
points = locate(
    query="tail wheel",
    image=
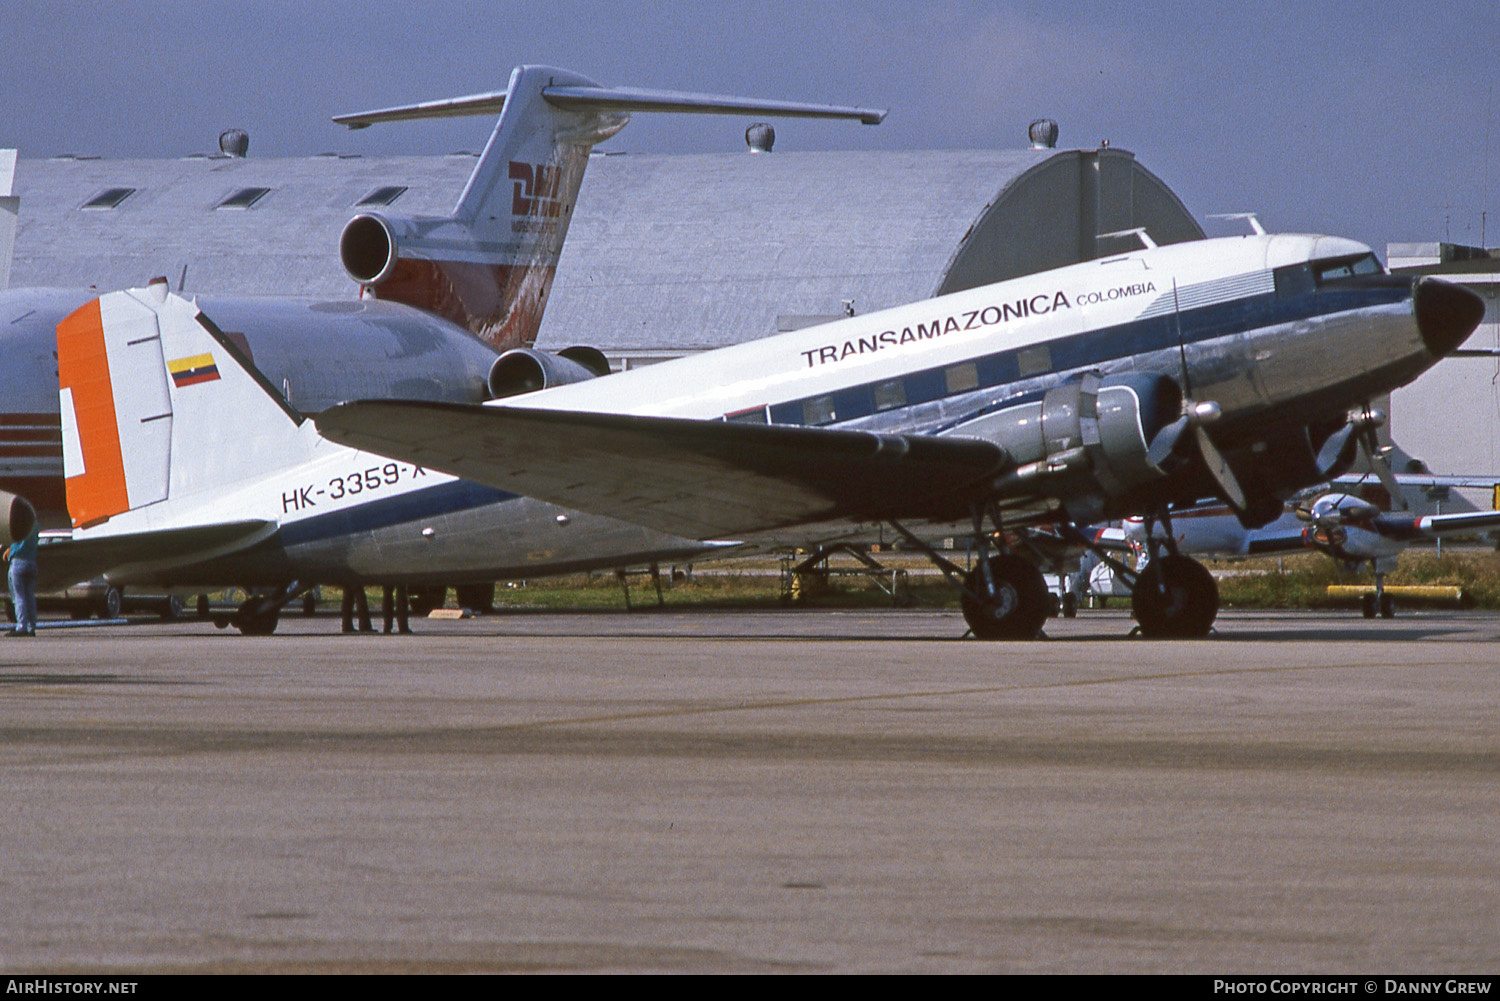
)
(1015, 600)
(1175, 598)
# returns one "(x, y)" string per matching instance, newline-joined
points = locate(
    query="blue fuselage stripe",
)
(1096, 347)
(429, 502)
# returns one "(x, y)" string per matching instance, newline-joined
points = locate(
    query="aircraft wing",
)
(699, 479)
(65, 561)
(1437, 526)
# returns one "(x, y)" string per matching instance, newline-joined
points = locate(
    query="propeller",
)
(1336, 509)
(1194, 416)
(1359, 431)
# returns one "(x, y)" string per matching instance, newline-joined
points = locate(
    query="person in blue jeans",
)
(22, 558)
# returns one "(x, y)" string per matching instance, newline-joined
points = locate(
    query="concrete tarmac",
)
(754, 792)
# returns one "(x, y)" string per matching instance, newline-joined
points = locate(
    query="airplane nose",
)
(1446, 314)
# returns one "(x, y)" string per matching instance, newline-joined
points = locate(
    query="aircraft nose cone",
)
(1446, 314)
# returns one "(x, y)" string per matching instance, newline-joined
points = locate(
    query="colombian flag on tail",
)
(193, 370)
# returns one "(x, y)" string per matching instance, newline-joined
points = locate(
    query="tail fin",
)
(158, 403)
(489, 265)
(10, 207)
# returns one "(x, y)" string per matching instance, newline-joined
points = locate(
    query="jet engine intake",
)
(369, 248)
(526, 370)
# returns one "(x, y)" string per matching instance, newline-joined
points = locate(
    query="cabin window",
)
(890, 395)
(109, 198)
(818, 410)
(961, 378)
(1033, 360)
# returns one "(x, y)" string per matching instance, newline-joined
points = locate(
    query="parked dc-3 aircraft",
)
(1239, 366)
(444, 295)
(1338, 522)
(1070, 396)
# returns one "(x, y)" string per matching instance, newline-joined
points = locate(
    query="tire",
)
(260, 625)
(1367, 605)
(109, 605)
(1070, 605)
(1018, 607)
(1175, 598)
(171, 608)
(477, 598)
(203, 606)
(1387, 606)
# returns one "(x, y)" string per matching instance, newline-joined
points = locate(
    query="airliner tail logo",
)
(536, 190)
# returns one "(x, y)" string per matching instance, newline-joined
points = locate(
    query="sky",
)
(1372, 121)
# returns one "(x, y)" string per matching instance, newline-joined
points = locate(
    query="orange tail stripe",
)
(83, 366)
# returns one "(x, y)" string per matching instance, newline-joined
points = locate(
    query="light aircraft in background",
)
(1338, 522)
(446, 295)
(1070, 396)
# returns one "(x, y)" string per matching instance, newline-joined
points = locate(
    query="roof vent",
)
(760, 137)
(1042, 133)
(234, 142)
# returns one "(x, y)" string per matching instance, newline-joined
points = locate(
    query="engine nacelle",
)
(1086, 441)
(369, 248)
(19, 520)
(526, 370)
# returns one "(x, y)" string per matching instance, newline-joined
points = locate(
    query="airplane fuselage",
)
(1281, 332)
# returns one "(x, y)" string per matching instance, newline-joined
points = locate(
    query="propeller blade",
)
(1218, 468)
(1382, 467)
(1165, 442)
(1335, 451)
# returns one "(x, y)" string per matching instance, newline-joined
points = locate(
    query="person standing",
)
(22, 558)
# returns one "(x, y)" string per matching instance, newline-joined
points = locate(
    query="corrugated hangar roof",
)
(665, 254)
(284, 244)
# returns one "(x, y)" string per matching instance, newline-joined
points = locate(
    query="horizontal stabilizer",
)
(64, 562)
(699, 479)
(608, 99)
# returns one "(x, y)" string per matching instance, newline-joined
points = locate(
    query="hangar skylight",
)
(243, 198)
(383, 195)
(109, 198)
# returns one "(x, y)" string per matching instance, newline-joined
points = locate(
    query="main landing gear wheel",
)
(1175, 598)
(249, 623)
(1016, 606)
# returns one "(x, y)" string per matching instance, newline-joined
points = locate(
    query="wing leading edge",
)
(699, 479)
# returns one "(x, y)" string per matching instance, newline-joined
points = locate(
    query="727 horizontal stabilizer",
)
(699, 479)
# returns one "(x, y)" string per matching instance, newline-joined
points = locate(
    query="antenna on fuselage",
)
(1139, 232)
(1249, 217)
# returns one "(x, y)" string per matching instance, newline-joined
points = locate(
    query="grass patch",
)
(1302, 580)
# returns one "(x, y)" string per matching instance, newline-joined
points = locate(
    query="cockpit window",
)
(1346, 267)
